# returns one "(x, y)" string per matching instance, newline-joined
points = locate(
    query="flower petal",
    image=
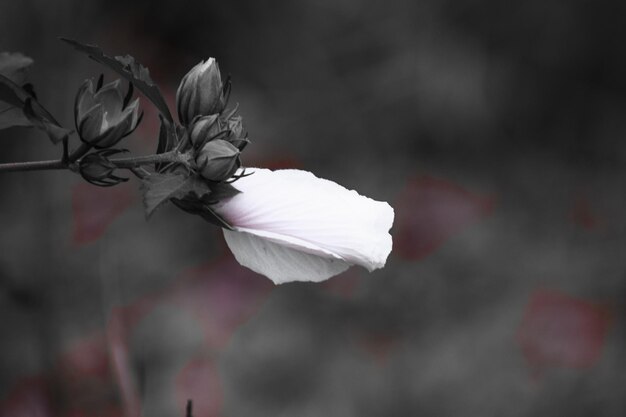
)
(281, 263)
(84, 100)
(296, 209)
(90, 126)
(112, 100)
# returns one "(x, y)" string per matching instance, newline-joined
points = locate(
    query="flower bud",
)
(208, 128)
(218, 160)
(236, 126)
(103, 115)
(97, 169)
(237, 136)
(204, 129)
(201, 92)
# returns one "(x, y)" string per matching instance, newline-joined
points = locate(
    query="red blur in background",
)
(431, 210)
(562, 331)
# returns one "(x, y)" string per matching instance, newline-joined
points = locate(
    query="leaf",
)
(159, 188)
(12, 116)
(221, 191)
(204, 210)
(129, 68)
(55, 133)
(35, 114)
(212, 217)
(11, 93)
(14, 66)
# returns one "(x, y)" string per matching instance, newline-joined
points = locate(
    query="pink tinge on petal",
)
(30, 397)
(222, 296)
(297, 210)
(199, 381)
(430, 211)
(95, 208)
(562, 331)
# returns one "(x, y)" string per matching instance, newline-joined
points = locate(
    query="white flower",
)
(292, 226)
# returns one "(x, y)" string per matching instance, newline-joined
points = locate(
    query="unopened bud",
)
(201, 92)
(237, 136)
(207, 128)
(103, 115)
(97, 169)
(218, 160)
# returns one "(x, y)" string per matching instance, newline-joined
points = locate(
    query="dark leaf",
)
(12, 116)
(100, 82)
(127, 67)
(164, 135)
(12, 93)
(195, 206)
(30, 89)
(159, 188)
(129, 95)
(14, 66)
(210, 216)
(17, 97)
(221, 191)
(55, 132)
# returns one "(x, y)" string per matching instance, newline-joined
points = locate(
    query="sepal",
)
(97, 169)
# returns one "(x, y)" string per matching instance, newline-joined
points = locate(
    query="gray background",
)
(522, 103)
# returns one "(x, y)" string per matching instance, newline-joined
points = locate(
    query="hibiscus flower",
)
(290, 225)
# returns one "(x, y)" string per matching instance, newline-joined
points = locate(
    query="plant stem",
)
(32, 166)
(82, 149)
(66, 150)
(129, 163)
(133, 162)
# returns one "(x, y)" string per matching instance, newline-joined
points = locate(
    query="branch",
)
(33, 166)
(122, 163)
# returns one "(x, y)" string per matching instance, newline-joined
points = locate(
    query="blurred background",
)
(496, 131)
